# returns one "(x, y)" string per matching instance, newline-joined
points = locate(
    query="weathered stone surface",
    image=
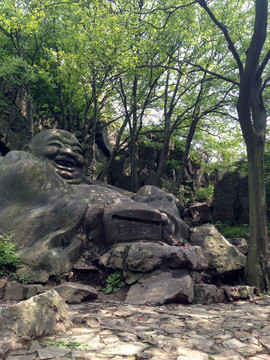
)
(74, 293)
(3, 284)
(224, 257)
(15, 291)
(126, 222)
(200, 212)
(146, 256)
(176, 229)
(34, 290)
(14, 132)
(234, 293)
(162, 289)
(38, 316)
(208, 294)
(230, 202)
(241, 244)
(53, 210)
(51, 352)
(188, 354)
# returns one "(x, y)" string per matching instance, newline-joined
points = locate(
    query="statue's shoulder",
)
(15, 156)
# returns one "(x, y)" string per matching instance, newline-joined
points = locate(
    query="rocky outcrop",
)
(160, 273)
(224, 258)
(14, 132)
(230, 201)
(144, 257)
(38, 316)
(161, 289)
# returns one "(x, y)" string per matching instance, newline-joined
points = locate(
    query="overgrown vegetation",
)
(10, 260)
(205, 194)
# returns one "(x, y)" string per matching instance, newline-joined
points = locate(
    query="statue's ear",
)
(27, 148)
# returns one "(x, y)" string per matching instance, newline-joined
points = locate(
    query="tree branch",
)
(223, 28)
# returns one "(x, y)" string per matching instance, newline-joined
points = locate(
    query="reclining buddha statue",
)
(52, 209)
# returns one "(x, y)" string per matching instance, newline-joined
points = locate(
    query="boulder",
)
(38, 316)
(14, 291)
(230, 201)
(74, 293)
(208, 294)
(147, 256)
(241, 244)
(243, 292)
(223, 257)
(162, 289)
(199, 212)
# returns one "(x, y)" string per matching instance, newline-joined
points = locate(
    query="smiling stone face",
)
(62, 150)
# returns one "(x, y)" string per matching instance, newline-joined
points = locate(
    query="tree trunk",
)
(29, 109)
(134, 165)
(181, 174)
(134, 137)
(164, 150)
(256, 265)
(114, 152)
(250, 105)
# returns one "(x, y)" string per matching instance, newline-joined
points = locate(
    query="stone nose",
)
(67, 150)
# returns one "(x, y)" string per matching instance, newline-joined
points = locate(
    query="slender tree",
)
(252, 117)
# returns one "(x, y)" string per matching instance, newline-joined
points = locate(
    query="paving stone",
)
(249, 350)
(188, 354)
(234, 331)
(226, 355)
(51, 352)
(123, 348)
(265, 341)
(21, 357)
(260, 357)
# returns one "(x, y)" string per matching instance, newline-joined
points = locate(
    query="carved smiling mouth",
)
(66, 165)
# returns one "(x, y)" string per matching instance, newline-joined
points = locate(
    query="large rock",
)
(208, 294)
(230, 201)
(145, 257)
(223, 257)
(14, 133)
(200, 212)
(162, 289)
(75, 293)
(39, 316)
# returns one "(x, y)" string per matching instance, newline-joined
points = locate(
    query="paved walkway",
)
(116, 331)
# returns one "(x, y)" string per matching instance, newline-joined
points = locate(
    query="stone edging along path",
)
(114, 330)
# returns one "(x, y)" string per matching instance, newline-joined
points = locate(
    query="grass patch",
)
(67, 344)
(231, 231)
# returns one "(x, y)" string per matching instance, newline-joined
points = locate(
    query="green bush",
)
(9, 259)
(205, 194)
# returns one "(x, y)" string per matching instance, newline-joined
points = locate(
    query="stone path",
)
(116, 331)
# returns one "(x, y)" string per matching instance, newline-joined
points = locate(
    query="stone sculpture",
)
(53, 210)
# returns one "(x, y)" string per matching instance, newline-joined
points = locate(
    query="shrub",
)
(114, 283)
(9, 259)
(205, 193)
